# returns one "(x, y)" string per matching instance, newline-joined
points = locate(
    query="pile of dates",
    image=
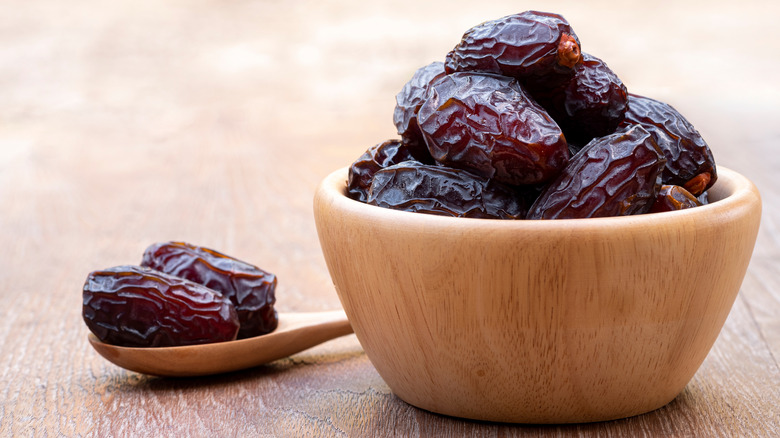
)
(181, 294)
(518, 123)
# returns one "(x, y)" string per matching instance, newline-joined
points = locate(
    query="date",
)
(671, 198)
(133, 306)
(592, 104)
(408, 102)
(250, 289)
(486, 124)
(540, 49)
(416, 187)
(377, 157)
(689, 160)
(614, 175)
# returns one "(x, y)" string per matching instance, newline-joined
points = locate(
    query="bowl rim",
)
(733, 194)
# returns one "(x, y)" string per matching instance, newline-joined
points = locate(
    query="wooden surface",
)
(124, 123)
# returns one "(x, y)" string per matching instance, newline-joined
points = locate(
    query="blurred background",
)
(111, 113)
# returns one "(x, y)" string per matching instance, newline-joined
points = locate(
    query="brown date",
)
(486, 124)
(689, 161)
(540, 49)
(671, 198)
(377, 157)
(408, 102)
(249, 288)
(420, 188)
(614, 175)
(139, 307)
(592, 104)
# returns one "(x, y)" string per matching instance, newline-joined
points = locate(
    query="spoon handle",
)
(296, 332)
(330, 319)
(301, 331)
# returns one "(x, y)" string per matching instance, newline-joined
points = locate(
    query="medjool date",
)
(540, 49)
(689, 161)
(513, 102)
(591, 105)
(671, 198)
(249, 288)
(140, 307)
(421, 188)
(377, 157)
(615, 175)
(486, 124)
(408, 102)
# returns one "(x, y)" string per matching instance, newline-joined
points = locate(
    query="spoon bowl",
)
(296, 332)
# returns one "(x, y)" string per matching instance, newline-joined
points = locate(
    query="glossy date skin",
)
(540, 49)
(516, 101)
(615, 175)
(408, 102)
(592, 104)
(133, 306)
(250, 289)
(377, 157)
(420, 188)
(672, 198)
(486, 124)
(689, 160)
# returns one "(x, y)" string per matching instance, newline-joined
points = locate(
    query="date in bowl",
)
(554, 321)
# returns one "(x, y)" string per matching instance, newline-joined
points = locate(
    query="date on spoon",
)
(296, 332)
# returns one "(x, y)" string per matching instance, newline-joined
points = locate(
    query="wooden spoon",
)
(296, 332)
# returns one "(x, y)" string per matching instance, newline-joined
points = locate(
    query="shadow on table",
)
(132, 381)
(678, 418)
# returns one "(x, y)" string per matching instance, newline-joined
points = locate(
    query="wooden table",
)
(125, 123)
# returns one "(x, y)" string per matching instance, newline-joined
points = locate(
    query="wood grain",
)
(538, 321)
(128, 122)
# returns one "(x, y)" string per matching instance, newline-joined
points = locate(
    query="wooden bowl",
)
(555, 321)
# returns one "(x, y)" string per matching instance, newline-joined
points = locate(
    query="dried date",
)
(540, 49)
(139, 307)
(689, 161)
(486, 124)
(408, 102)
(421, 188)
(614, 175)
(592, 104)
(671, 198)
(249, 288)
(377, 157)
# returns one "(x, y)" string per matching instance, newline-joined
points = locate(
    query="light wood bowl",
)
(538, 321)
